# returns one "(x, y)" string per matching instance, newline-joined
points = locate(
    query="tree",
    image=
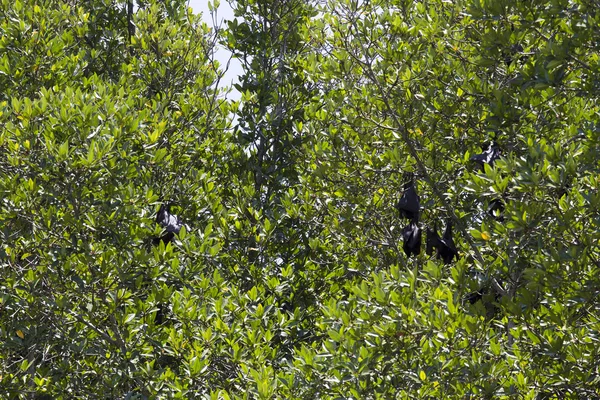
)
(97, 129)
(421, 88)
(285, 276)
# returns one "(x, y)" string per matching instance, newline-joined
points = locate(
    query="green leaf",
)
(476, 234)
(63, 151)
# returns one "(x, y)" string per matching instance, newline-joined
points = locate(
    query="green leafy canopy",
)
(288, 279)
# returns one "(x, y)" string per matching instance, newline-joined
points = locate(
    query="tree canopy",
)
(160, 241)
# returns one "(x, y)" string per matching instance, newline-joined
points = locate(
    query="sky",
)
(224, 12)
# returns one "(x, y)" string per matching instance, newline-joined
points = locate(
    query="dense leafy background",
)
(289, 280)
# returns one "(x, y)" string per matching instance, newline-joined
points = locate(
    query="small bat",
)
(514, 50)
(495, 209)
(448, 251)
(444, 246)
(170, 222)
(412, 239)
(432, 241)
(491, 154)
(408, 205)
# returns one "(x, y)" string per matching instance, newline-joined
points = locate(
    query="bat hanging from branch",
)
(411, 235)
(171, 224)
(409, 205)
(489, 156)
(444, 246)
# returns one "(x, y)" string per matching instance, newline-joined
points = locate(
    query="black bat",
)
(444, 246)
(408, 206)
(432, 241)
(474, 297)
(448, 251)
(170, 222)
(412, 239)
(488, 298)
(495, 209)
(514, 50)
(491, 154)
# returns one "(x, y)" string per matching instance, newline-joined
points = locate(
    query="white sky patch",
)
(223, 13)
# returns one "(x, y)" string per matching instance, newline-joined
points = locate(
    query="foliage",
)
(288, 279)
(88, 307)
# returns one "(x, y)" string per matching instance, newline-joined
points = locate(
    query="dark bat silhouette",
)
(514, 50)
(474, 297)
(412, 239)
(444, 246)
(432, 241)
(491, 154)
(487, 296)
(495, 209)
(171, 223)
(448, 251)
(480, 282)
(408, 206)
